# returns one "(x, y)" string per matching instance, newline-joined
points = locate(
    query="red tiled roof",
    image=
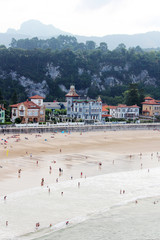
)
(124, 106)
(107, 106)
(151, 102)
(106, 115)
(31, 105)
(148, 98)
(28, 104)
(104, 108)
(112, 107)
(36, 97)
(15, 105)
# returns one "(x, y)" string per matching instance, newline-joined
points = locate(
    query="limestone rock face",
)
(52, 71)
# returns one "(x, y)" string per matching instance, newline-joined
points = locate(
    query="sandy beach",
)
(79, 152)
(123, 154)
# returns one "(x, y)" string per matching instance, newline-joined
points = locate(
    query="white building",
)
(29, 111)
(122, 111)
(130, 112)
(83, 108)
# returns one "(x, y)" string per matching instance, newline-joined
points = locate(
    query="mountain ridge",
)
(34, 28)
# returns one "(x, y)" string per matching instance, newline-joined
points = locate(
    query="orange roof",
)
(104, 108)
(148, 98)
(36, 97)
(113, 107)
(106, 115)
(107, 106)
(151, 102)
(28, 104)
(15, 105)
(124, 106)
(31, 105)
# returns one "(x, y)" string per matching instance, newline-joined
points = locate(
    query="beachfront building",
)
(127, 112)
(2, 113)
(29, 111)
(122, 111)
(55, 105)
(105, 112)
(85, 109)
(151, 107)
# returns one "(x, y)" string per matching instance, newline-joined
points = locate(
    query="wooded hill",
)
(49, 67)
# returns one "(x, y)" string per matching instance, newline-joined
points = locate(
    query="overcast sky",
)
(84, 17)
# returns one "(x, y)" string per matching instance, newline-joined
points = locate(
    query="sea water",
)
(95, 210)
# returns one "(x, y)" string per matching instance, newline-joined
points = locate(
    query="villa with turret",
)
(29, 111)
(85, 109)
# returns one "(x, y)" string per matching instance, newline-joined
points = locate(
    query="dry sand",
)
(79, 152)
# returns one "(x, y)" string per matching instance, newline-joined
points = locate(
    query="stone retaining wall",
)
(84, 128)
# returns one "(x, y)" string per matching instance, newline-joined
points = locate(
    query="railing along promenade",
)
(76, 128)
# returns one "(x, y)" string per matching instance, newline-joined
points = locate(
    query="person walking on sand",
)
(81, 174)
(100, 164)
(78, 184)
(42, 181)
(19, 172)
(37, 225)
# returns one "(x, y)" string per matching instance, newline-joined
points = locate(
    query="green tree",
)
(103, 46)
(90, 45)
(131, 96)
(14, 98)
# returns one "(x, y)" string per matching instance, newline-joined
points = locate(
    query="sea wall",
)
(79, 128)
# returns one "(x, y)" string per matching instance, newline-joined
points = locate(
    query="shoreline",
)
(129, 170)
